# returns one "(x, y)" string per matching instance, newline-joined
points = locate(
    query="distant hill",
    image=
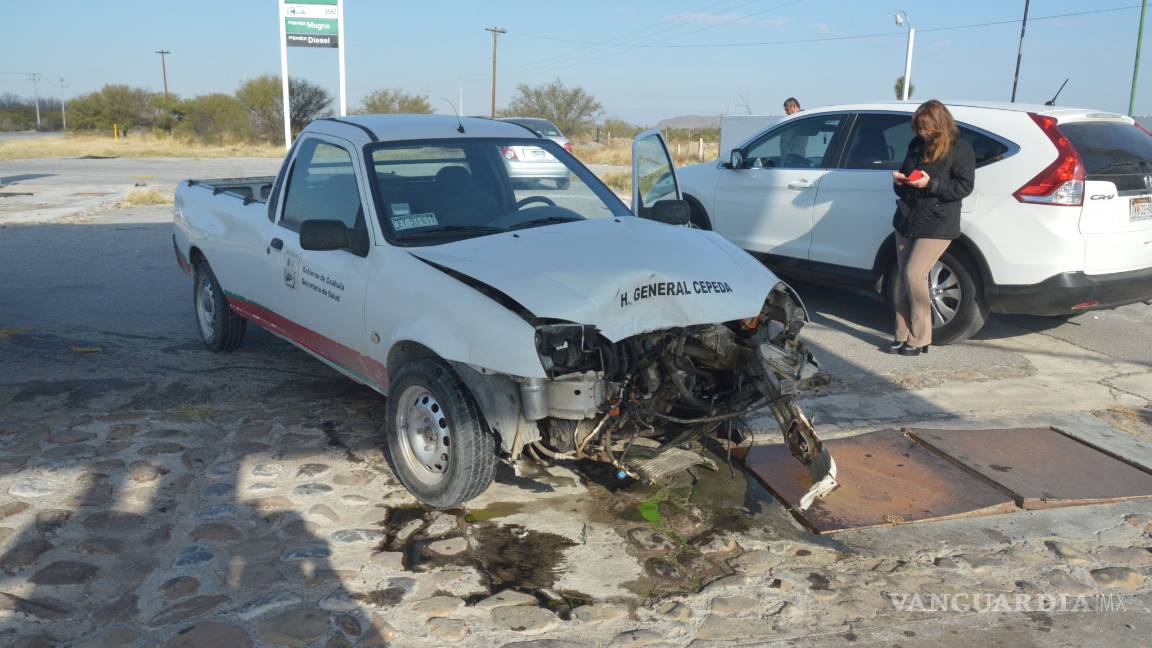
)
(690, 121)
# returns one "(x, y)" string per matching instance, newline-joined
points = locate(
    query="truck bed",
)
(251, 189)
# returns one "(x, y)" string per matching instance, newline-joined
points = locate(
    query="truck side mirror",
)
(736, 159)
(323, 235)
(671, 212)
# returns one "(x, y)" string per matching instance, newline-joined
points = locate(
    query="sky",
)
(644, 61)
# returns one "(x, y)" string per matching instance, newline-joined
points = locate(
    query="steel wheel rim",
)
(206, 308)
(424, 435)
(944, 291)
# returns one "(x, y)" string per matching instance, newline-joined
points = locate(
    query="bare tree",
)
(308, 101)
(389, 101)
(120, 105)
(572, 109)
(261, 96)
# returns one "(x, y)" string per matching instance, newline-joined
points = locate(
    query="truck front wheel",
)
(220, 328)
(436, 440)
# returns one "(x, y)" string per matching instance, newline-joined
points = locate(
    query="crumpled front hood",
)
(625, 276)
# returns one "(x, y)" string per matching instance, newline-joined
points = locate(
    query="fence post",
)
(116, 132)
(700, 150)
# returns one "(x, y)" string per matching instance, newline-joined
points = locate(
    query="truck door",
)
(319, 295)
(766, 205)
(653, 174)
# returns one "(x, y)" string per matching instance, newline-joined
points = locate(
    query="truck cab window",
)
(322, 186)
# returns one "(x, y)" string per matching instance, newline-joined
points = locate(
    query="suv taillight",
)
(1062, 183)
(508, 152)
(568, 146)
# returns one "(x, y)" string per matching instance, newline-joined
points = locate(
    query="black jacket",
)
(934, 211)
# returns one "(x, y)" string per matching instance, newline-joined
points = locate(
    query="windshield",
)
(432, 192)
(542, 126)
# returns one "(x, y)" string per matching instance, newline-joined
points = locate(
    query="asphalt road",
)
(25, 135)
(112, 272)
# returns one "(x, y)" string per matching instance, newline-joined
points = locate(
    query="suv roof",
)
(1061, 113)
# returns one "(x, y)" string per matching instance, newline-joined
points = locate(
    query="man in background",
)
(792, 145)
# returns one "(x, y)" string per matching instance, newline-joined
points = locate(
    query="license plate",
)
(1140, 209)
(540, 153)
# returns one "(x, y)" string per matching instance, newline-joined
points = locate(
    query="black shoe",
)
(913, 351)
(894, 347)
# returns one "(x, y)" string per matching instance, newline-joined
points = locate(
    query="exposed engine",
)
(673, 386)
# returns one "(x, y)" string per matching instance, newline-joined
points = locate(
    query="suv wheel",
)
(958, 308)
(698, 218)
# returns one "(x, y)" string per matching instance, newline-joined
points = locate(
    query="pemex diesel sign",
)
(311, 23)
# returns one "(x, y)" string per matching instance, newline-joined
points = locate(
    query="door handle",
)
(800, 184)
(277, 243)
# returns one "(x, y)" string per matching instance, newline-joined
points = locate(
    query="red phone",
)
(915, 175)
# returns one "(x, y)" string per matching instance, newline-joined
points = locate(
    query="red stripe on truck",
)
(184, 265)
(371, 371)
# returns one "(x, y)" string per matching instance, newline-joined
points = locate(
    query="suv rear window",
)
(1114, 152)
(542, 126)
(987, 150)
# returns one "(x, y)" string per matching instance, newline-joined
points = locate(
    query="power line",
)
(854, 36)
(164, 68)
(63, 113)
(35, 77)
(496, 31)
(625, 46)
(696, 31)
(618, 40)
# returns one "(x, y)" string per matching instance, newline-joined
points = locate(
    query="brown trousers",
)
(916, 257)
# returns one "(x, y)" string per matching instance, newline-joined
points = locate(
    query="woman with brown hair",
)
(938, 172)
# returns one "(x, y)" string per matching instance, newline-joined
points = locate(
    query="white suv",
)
(1060, 221)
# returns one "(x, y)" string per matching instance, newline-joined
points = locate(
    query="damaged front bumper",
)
(635, 402)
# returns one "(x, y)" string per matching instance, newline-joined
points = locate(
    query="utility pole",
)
(1020, 51)
(63, 114)
(496, 31)
(164, 69)
(1136, 65)
(34, 77)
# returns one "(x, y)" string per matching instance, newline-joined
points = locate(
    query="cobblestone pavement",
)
(155, 494)
(278, 524)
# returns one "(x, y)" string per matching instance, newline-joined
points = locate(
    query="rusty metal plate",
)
(885, 479)
(1041, 467)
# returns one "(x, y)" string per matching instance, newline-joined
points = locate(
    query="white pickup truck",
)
(500, 321)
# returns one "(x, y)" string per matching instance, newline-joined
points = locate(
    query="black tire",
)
(971, 312)
(219, 327)
(698, 218)
(453, 458)
(563, 183)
